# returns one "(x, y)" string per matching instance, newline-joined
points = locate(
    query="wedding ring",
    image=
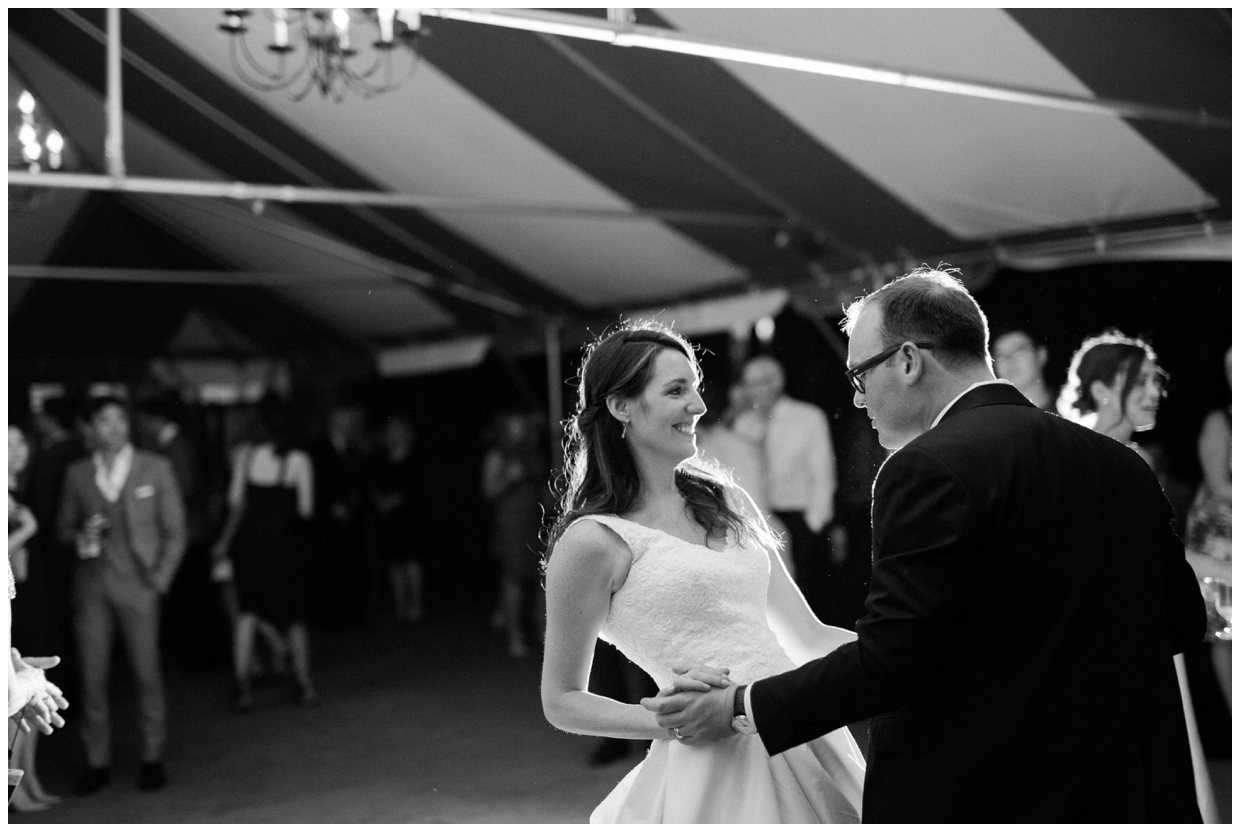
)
(676, 731)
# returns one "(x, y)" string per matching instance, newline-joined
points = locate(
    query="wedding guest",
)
(1115, 387)
(719, 441)
(30, 796)
(1208, 528)
(342, 560)
(800, 476)
(122, 512)
(270, 498)
(512, 476)
(397, 480)
(668, 560)
(58, 444)
(1020, 357)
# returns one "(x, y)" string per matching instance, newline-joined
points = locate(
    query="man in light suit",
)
(1028, 596)
(121, 512)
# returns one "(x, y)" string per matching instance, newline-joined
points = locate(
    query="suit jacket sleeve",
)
(924, 543)
(171, 523)
(1185, 608)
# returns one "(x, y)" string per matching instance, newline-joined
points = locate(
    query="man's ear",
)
(912, 364)
(618, 407)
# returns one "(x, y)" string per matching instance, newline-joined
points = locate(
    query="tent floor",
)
(416, 725)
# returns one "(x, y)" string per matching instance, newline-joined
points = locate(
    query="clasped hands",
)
(43, 699)
(697, 706)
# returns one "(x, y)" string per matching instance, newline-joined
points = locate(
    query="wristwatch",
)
(741, 723)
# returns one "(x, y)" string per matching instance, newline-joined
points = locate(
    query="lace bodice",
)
(682, 602)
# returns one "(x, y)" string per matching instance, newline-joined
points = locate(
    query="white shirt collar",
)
(963, 393)
(111, 482)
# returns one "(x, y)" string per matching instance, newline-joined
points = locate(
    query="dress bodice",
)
(684, 602)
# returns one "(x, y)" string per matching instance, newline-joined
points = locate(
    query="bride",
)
(661, 555)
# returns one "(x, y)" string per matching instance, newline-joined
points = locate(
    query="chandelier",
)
(32, 146)
(320, 48)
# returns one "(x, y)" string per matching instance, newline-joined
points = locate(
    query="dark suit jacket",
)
(1027, 597)
(153, 512)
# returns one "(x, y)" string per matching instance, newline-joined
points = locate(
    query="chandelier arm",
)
(279, 78)
(363, 86)
(257, 83)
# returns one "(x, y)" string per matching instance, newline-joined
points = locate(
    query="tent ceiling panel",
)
(433, 138)
(978, 168)
(828, 182)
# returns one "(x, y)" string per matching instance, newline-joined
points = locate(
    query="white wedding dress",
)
(683, 602)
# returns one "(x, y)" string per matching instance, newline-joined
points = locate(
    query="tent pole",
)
(114, 144)
(555, 395)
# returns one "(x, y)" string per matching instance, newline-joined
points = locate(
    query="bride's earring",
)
(624, 430)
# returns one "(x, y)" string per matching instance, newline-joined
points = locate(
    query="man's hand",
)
(44, 699)
(698, 704)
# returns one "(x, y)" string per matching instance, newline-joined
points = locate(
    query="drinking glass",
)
(1218, 590)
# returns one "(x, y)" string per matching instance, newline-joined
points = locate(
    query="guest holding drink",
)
(122, 512)
(1208, 530)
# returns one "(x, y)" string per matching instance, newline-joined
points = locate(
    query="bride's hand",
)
(697, 677)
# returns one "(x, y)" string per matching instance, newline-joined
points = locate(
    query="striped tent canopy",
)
(549, 177)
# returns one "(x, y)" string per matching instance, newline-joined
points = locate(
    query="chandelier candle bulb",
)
(25, 103)
(386, 24)
(55, 144)
(341, 18)
(281, 28)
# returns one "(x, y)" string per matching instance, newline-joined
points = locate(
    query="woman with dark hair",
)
(270, 498)
(662, 555)
(1114, 387)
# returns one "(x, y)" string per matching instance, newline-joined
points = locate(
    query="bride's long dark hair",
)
(600, 474)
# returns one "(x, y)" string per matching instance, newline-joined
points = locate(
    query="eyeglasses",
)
(857, 374)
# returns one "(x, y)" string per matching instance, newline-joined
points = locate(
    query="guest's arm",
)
(172, 525)
(820, 459)
(1214, 451)
(236, 496)
(25, 527)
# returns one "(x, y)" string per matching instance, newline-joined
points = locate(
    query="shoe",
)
(22, 801)
(305, 694)
(608, 751)
(151, 777)
(242, 698)
(91, 781)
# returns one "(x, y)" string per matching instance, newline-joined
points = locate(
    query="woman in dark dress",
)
(270, 499)
(397, 478)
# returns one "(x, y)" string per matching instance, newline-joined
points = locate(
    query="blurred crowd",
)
(225, 537)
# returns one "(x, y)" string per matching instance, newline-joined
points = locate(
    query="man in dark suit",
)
(1027, 598)
(121, 512)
